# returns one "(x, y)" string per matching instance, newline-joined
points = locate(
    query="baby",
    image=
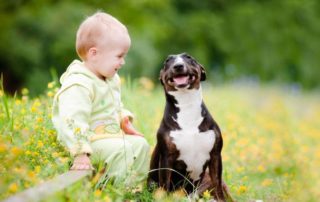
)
(87, 110)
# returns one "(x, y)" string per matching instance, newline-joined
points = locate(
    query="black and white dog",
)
(189, 142)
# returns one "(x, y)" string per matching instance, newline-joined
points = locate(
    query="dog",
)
(188, 150)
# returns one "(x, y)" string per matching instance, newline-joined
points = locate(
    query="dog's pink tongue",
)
(180, 80)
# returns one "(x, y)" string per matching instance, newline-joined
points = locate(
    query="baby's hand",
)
(82, 162)
(128, 128)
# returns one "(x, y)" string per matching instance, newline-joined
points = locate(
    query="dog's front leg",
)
(166, 171)
(154, 167)
(215, 171)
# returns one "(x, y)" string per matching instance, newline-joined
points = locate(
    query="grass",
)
(271, 142)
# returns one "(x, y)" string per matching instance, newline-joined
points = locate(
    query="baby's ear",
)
(92, 52)
(160, 76)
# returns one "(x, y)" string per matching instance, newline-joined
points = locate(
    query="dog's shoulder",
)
(208, 122)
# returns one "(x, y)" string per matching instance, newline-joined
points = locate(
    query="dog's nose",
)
(178, 67)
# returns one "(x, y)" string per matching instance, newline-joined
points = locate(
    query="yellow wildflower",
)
(13, 188)
(18, 102)
(51, 132)
(242, 189)
(266, 182)
(31, 174)
(37, 169)
(51, 84)
(36, 104)
(34, 109)
(261, 168)
(39, 120)
(40, 144)
(3, 148)
(50, 94)
(206, 194)
(77, 130)
(1, 93)
(97, 193)
(16, 151)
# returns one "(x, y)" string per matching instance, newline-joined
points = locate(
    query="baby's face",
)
(111, 55)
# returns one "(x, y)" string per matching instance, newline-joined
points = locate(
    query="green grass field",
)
(271, 142)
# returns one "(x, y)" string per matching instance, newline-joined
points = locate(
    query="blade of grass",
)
(4, 99)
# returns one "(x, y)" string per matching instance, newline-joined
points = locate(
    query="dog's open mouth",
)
(182, 81)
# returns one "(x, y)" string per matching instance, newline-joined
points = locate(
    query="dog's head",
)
(181, 72)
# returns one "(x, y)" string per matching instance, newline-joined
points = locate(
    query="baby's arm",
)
(128, 128)
(126, 116)
(74, 113)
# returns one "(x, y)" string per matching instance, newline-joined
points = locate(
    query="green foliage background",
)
(267, 40)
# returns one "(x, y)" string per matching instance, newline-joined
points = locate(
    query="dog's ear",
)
(160, 77)
(203, 75)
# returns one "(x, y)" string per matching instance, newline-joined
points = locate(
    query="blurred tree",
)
(270, 40)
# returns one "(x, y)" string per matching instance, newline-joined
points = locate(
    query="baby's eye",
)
(120, 56)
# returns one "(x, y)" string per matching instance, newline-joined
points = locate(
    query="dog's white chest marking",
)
(194, 146)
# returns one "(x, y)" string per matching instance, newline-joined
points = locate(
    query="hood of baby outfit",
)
(76, 67)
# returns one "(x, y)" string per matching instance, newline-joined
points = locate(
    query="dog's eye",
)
(185, 55)
(168, 59)
(193, 62)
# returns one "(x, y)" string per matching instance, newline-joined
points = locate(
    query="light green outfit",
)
(87, 112)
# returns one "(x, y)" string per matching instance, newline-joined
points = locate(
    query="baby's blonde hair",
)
(93, 31)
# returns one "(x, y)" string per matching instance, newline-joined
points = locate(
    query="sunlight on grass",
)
(271, 142)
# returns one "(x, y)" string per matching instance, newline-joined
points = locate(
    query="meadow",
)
(271, 142)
